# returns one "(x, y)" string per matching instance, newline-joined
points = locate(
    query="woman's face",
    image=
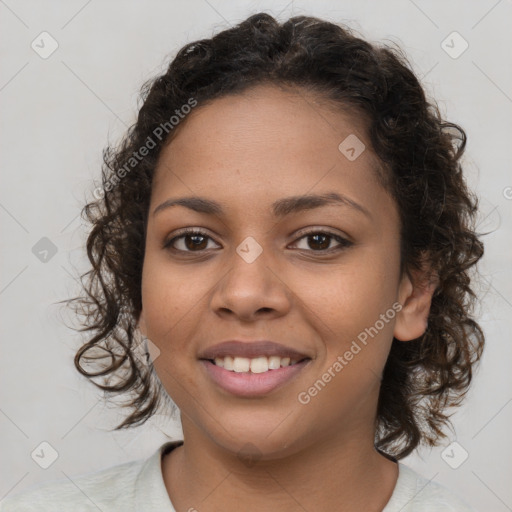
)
(265, 269)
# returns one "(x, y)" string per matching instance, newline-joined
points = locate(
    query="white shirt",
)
(138, 486)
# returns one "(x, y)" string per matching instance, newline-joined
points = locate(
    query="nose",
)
(250, 289)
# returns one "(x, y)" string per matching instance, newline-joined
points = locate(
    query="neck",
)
(349, 472)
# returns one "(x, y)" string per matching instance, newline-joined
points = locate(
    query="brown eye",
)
(189, 241)
(320, 241)
(195, 242)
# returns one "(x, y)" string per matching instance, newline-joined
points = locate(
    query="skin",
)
(246, 151)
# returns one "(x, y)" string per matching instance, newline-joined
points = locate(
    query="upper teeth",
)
(255, 365)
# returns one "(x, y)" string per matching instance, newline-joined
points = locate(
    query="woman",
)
(288, 226)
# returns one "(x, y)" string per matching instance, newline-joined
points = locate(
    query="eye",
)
(320, 241)
(195, 240)
(192, 240)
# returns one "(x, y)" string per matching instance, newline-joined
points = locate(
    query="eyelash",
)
(344, 243)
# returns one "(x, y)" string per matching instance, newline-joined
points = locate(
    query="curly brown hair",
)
(418, 150)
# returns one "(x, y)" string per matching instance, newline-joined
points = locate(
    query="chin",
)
(259, 440)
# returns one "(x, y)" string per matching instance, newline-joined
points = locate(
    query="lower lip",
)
(251, 384)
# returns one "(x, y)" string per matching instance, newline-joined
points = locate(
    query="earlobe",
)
(415, 296)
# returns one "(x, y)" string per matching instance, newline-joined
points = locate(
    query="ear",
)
(415, 295)
(141, 324)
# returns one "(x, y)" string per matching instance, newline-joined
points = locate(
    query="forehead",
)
(269, 115)
(264, 142)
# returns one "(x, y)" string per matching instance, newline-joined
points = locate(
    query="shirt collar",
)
(150, 491)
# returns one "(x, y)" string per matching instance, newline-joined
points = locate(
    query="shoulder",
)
(415, 493)
(87, 492)
(135, 486)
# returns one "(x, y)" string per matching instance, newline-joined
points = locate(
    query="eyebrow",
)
(280, 208)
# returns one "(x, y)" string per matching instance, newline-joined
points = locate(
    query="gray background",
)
(57, 114)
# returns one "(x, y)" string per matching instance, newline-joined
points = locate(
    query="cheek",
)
(170, 294)
(355, 315)
(353, 294)
(170, 298)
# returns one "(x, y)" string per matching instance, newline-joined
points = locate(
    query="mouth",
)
(252, 369)
(260, 364)
(252, 378)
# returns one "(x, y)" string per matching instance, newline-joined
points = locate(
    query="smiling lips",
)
(254, 356)
(251, 368)
(259, 364)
